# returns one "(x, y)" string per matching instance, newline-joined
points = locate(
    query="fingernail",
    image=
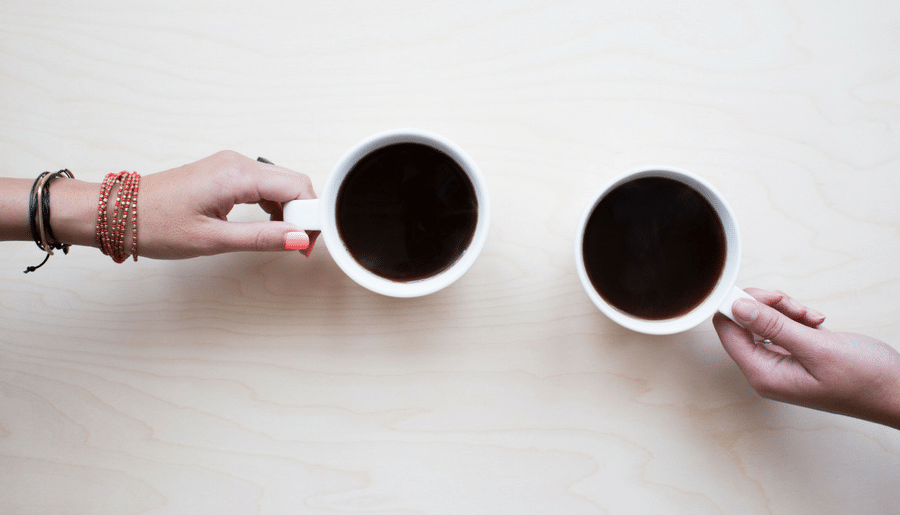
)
(815, 314)
(745, 310)
(297, 240)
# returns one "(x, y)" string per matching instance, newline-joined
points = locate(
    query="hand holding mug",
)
(183, 211)
(808, 365)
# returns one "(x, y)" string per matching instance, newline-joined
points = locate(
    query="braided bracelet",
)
(39, 222)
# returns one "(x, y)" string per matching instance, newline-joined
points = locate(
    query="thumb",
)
(769, 323)
(256, 236)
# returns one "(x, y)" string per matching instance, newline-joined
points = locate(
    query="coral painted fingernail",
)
(296, 240)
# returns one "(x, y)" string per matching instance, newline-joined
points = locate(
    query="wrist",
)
(884, 395)
(73, 211)
(892, 412)
(117, 215)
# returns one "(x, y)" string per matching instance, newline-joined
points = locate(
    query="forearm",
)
(14, 209)
(73, 210)
(862, 381)
(884, 410)
(889, 414)
(879, 397)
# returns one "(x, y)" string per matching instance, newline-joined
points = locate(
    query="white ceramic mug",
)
(723, 294)
(321, 215)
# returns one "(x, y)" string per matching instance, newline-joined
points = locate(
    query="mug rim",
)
(370, 280)
(727, 279)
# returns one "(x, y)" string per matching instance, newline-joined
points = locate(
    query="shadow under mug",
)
(722, 295)
(322, 214)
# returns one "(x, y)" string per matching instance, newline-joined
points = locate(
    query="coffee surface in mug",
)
(406, 212)
(654, 248)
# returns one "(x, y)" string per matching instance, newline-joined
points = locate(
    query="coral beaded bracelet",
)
(111, 233)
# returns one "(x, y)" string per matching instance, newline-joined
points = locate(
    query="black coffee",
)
(406, 212)
(654, 248)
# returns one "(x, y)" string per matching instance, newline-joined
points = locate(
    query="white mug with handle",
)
(720, 297)
(359, 258)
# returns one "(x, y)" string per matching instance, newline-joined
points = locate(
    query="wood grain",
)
(273, 384)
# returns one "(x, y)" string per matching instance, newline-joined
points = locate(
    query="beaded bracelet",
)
(39, 222)
(110, 233)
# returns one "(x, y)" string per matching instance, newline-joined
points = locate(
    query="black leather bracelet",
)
(49, 237)
(32, 206)
(41, 231)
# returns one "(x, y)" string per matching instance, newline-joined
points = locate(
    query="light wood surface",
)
(272, 384)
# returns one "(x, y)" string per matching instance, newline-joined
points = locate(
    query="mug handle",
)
(305, 214)
(302, 213)
(735, 294)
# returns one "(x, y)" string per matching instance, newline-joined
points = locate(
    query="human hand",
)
(183, 212)
(808, 365)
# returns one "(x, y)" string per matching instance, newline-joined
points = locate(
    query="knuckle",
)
(772, 326)
(306, 186)
(230, 161)
(756, 292)
(227, 155)
(261, 242)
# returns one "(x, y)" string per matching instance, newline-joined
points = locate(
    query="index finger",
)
(788, 306)
(765, 321)
(279, 184)
(260, 181)
(276, 208)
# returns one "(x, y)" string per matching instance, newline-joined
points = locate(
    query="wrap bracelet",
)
(111, 233)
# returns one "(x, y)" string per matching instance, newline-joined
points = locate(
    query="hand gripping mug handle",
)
(725, 308)
(302, 213)
(305, 214)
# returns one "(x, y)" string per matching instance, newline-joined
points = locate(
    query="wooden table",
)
(272, 384)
